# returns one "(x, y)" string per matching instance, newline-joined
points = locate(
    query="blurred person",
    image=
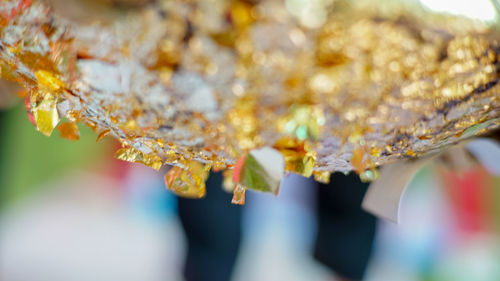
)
(346, 232)
(212, 226)
(343, 242)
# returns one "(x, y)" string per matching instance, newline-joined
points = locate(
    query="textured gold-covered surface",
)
(209, 81)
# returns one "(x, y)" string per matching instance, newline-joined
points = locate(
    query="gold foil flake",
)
(375, 152)
(358, 159)
(74, 116)
(69, 130)
(47, 81)
(102, 135)
(45, 114)
(130, 126)
(241, 14)
(37, 60)
(227, 182)
(134, 155)
(298, 156)
(239, 195)
(92, 125)
(189, 182)
(168, 55)
(411, 153)
(218, 165)
(171, 157)
(303, 122)
(322, 176)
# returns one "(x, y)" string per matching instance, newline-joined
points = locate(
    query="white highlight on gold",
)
(310, 13)
(477, 9)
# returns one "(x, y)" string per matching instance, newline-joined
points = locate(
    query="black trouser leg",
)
(345, 231)
(213, 230)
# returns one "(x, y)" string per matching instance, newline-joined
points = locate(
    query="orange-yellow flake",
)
(358, 159)
(241, 14)
(45, 114)
(411, 153)
(69, 130)
(102, 135)
(131, 154)
(188, 182)
(322, 176)
(299, 158)
(47, 81)
(239, 195)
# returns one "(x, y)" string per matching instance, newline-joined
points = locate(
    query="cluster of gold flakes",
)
(134, 155)
(199, 84)
(188, 181)
(299, 157)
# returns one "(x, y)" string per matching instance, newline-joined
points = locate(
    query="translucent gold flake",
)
(47, 81)
(375, 152)
(298, 156)
(188, 182)
(69, 130)
(239, 195)
(45, 114)
(322, 176)
(131, 154)
(358, 159)
(130, 126)
(102, 135)
(73, 115)
(410, 153)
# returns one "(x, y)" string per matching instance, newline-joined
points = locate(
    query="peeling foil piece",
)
(45, 114)
(322, 176)
(298, 156)
(69, 130)
(189, 181)
(261, 170)
(383, 197)
(133, 155)
(239, 195)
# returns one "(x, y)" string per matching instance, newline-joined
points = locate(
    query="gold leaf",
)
(299, 158)
(188, 182)
(46, 115)
(134, 155)
(69, 130)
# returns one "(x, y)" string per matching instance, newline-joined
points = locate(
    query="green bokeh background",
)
(29, 159)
